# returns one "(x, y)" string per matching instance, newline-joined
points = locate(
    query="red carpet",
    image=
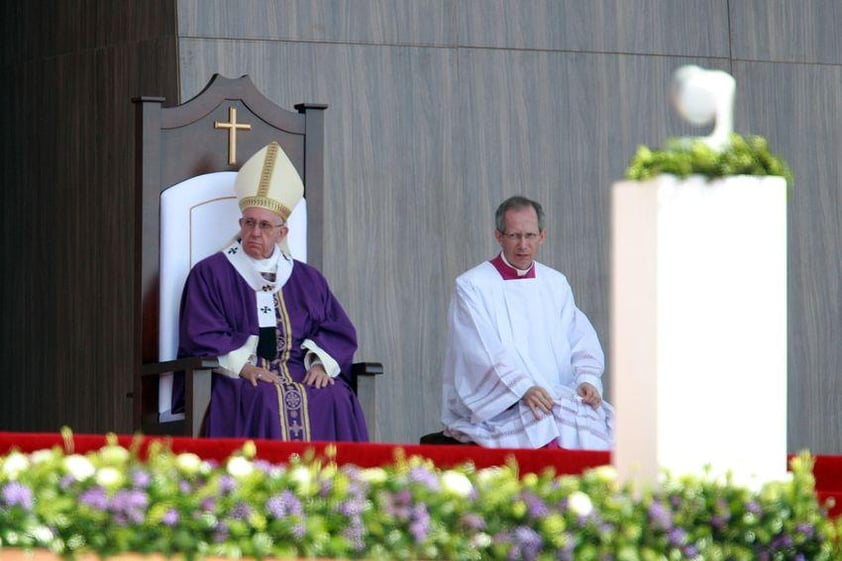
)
(827, 469)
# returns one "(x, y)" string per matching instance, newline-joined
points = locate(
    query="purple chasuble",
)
(218, 314)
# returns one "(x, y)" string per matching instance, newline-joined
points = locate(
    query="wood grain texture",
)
(54, 27)
(388, 135)
(329, 21)
(660, 27)
(411, 196)
(784, 31)
(68, 206)
(437, 111)
(798, 108)
(561, 142)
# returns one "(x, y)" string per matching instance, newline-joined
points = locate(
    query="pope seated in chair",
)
(283, 342)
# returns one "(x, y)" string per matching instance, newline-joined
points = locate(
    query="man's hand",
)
(539, 401)
(255, 374)
(589, 394)
(317, 377)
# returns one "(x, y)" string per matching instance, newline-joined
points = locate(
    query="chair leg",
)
(197, 399)
(367, 396)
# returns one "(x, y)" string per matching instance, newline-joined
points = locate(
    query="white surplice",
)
(506, 336)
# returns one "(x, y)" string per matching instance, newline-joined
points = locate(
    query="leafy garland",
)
(747, 155)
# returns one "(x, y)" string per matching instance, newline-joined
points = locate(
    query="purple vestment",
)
(218, 314)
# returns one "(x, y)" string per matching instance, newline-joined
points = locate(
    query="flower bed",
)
(114, 500)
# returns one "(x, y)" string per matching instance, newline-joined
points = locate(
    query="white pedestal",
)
(698, 327)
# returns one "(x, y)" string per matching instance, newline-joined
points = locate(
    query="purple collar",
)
(508, 272)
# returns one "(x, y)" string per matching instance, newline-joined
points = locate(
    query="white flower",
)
(606, 474)
(188, 463)
(80, 467)
(240, 467)
(488, 476)
(42, 534)
(374, 475)
(109, 477)
(580, 504)
(456, 483)
(14, 464)
(302, 478)
(41, 456)
(114, 455)
(481, 540)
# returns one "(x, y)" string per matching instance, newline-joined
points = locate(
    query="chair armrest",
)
(197, 390)
(367, 369)
(178, 365)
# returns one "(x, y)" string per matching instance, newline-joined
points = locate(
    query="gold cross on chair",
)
(232, 125)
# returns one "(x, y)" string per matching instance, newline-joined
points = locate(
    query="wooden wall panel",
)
(627, 26)
(619, 26)
(329, 21)
(413, 195)
(67, 203)
(437, 111)
(562, 142)
(389, 173)
(522, 114)
(785, 31)
(53, 28)
(799, 109)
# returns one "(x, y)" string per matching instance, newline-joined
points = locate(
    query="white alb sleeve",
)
(316, 354)
(232, 363)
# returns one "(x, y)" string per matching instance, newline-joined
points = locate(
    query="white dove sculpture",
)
(701, 96)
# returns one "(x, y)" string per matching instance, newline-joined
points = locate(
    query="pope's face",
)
(261, 230)
(522, 238)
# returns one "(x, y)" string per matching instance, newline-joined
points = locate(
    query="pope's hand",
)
(317, 377)
(255, 374)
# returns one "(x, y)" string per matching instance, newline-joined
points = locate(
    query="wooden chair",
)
(187, 157)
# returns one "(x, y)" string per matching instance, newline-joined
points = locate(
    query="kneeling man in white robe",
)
(523, 367)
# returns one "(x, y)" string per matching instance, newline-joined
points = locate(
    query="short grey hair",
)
(517, 202)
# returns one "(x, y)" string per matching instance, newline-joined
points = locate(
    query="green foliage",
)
(748, 155)
(112, 501)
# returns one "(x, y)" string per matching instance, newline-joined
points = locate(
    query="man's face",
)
(261, 230)
(522, 238)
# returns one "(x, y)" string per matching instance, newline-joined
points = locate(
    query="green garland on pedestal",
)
(747, 155)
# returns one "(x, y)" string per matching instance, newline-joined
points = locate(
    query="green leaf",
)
(682, 157)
